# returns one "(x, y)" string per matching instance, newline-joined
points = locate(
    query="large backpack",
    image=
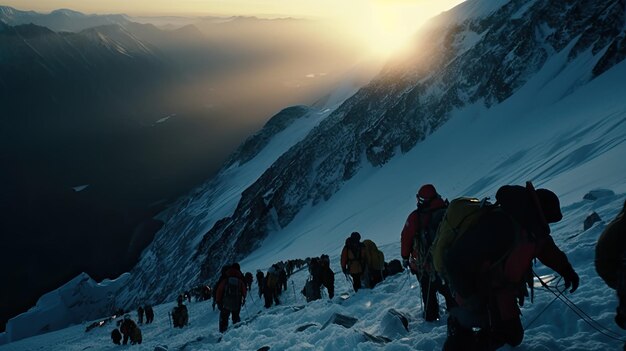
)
(180, 316)
(375, 258)
(232, 294)
(394, 267)
(355, 249)
(462, 214)
(315, 268)
(312, 291)
(424, 239)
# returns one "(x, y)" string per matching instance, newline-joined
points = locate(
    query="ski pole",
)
(252, 298)
(169, 315)
(351, 281)
(293, 286)
(427, 296)
(247, 312)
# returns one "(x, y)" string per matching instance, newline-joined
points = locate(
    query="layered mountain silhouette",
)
(137, 113)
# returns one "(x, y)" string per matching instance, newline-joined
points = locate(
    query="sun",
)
(385, 27)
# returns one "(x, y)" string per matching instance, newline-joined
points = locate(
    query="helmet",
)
(427, 192)
(355, 236)
(550, 205)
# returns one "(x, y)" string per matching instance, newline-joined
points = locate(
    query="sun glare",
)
(386, 26)
(382, 26)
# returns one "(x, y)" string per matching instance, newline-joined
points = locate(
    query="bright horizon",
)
(384, 25)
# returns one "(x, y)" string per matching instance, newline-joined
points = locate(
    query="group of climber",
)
(474, 253)
(361, 262)
(128, 330)
(478, 256)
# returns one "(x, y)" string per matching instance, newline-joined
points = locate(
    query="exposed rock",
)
(340, 319)
(591, 219)
(599, 193)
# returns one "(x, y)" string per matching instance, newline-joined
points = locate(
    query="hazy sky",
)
(386, 24)
(317, 8)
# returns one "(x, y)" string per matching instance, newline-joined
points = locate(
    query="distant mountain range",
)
(62, 20)
(138, 113)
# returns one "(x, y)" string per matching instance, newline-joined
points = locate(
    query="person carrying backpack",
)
(260, 279)
(249, 279)
(180, 314)
(327, 276)
(611, 262)
(116, 336)
(417, 237)
(312, 287)
(352, 259)
(230, 296)
(490, 263)
(270, 287)
(140, 312)
(282, 278)
(127, 328)
(149, 314)
(374, 264)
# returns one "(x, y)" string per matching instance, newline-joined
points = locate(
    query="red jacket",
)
(417, 221)
(231, 272)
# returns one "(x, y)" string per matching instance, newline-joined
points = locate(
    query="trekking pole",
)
(247, 312)
(349, 279)
(251, 296)
(428, 296)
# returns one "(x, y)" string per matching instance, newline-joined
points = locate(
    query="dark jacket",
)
(230, 273)
(490, 262)
(610, 250)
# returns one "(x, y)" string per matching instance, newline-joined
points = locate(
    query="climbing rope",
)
(582, 314)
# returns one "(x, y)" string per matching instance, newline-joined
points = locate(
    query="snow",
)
(77, 300)
(571, 144)
(80, 188)
(474, 9)
(161, 120)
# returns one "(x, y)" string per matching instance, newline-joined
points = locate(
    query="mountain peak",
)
(68, 13)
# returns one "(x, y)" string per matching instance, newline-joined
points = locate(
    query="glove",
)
(571, 279)
(405, 263)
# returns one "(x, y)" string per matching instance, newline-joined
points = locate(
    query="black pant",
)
(224, 314)
(489, 337)
(270, 295)
(430, 288)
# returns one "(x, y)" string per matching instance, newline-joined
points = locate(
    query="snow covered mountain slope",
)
(503, 92)
(505, 65)
(451, 114)
(296, 325)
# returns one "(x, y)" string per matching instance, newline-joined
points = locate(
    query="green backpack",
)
(462, 214)
(375, 257)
